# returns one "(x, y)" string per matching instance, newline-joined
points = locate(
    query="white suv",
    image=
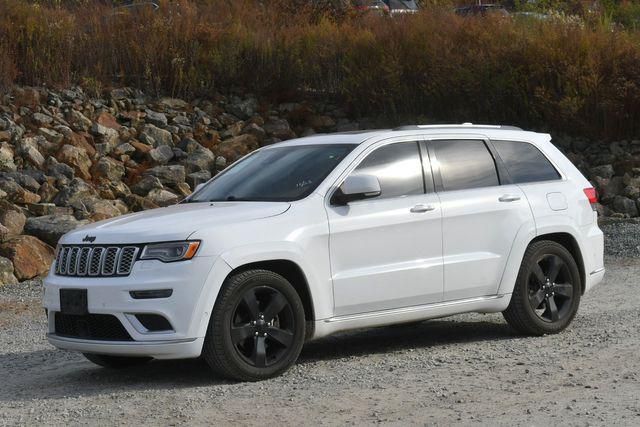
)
(312, 236)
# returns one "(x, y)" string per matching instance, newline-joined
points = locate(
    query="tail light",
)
(592, 195)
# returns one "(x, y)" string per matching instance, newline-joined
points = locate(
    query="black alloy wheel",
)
(257, 327)
(262, 328)
(550, 288)
(547, 291)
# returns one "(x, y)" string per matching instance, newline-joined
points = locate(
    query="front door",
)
(386, 252)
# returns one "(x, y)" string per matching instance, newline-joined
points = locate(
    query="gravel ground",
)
(622, 238)
(465, 369)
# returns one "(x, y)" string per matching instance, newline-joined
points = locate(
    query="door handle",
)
(422, 208)
(509, 198)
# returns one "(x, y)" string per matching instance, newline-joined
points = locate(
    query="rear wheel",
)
(547, 291)
(257, 327)
(115, 362)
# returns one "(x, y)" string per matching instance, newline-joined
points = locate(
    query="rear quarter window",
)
(525, 162)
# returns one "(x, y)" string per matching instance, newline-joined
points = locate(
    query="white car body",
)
(371, 263)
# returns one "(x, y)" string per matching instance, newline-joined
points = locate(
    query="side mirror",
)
(356, 187)
(199, 186)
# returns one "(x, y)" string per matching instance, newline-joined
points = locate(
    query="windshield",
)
(280, 174)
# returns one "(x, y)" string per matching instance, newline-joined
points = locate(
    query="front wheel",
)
(257, 327)
(547, 291)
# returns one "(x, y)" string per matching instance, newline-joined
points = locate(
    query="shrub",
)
(581, 79)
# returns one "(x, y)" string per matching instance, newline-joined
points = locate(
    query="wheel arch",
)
(569, 242)
(290, 271)
(295, 275)
(566, 236)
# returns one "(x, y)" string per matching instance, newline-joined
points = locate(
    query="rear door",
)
(482, 212)
(547, 192)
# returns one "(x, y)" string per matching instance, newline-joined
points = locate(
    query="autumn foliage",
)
(543, 74)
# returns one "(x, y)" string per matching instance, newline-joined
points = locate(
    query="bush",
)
(580, 79)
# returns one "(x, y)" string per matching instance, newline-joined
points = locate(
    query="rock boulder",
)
(50, 228)
(13, 220)
(6, 272)
(77, 158)
(30, 257)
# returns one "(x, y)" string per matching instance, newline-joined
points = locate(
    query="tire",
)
(257, 327)
(115, 362)
(539, 306)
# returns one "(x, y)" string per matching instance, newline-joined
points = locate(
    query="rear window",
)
(525, 162)
(465, 164)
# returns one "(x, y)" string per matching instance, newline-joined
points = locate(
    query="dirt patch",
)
(464, 369)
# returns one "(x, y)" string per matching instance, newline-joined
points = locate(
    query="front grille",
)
(97, 261)
(83, 261)
(110, 260)
(103, 327)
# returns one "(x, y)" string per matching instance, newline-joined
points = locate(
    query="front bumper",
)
(187, 310)
(174, 349)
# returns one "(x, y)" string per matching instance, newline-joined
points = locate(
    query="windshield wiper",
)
(230, 198)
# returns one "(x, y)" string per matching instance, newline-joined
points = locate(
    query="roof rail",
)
(463, 125)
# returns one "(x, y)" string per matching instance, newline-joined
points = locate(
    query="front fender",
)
(208, 295)
(321, 296)
(267, 251)
(317, 275)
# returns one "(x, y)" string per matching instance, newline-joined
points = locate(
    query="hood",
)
(175, 222)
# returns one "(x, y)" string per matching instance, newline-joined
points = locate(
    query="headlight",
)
(172, 251)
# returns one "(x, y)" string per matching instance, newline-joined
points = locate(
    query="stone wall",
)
(67, 159)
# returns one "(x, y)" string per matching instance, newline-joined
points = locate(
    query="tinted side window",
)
(525, 162)
(465, 164)
(397, 167)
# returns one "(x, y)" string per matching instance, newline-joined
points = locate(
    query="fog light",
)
(154, 322)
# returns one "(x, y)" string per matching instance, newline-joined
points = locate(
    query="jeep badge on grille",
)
(89, 239)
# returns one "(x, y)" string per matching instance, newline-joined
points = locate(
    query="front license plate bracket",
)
(74, 302)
